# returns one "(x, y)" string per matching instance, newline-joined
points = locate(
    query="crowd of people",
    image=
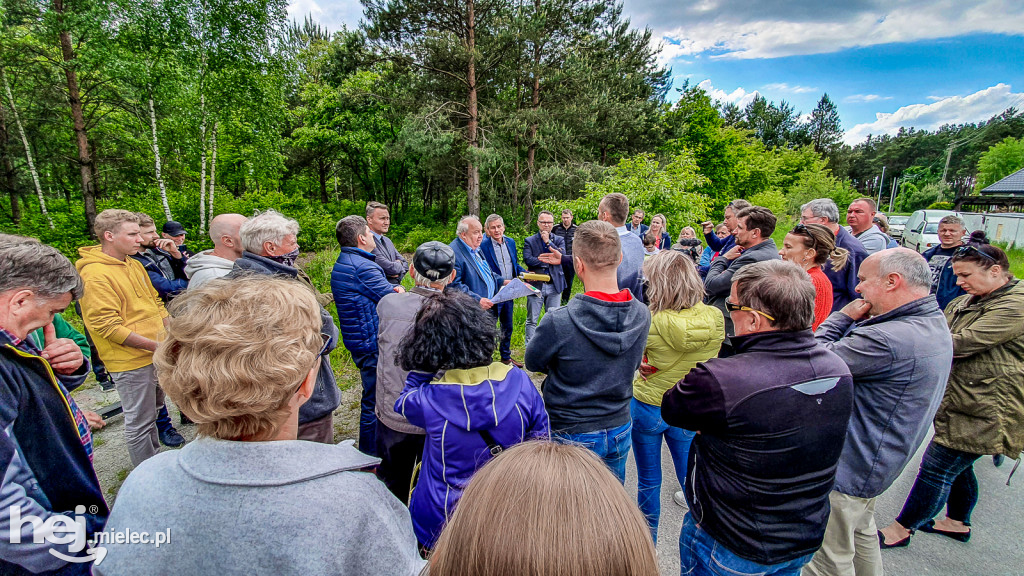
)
(791, 385)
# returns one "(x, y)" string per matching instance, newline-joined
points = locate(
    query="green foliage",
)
(911, 197)
(1000, 161)
(773, 200)
(652, 186)
(940, 206)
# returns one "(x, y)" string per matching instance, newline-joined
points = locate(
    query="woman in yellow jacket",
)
(684, 331)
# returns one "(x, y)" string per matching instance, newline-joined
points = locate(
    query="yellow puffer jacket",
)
(677, 342)
(119, 299)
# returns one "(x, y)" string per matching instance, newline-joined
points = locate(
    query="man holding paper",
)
(542, 254)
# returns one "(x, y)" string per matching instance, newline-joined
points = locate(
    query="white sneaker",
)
(680, 499)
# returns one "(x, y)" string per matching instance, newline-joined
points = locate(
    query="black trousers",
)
(399, 454)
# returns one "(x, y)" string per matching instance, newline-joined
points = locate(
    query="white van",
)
(922, 230)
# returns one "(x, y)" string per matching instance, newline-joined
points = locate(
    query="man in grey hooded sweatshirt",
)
(590, 349)
(227, 247)
(246, 497)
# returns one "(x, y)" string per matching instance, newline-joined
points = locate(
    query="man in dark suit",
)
(637, 226)
(501, 255)
(547, 245)
(472, 274)
(566, 230)
(378, 218)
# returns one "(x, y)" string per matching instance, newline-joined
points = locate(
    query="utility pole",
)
(880, 189)
(892, 194)
(949, 155)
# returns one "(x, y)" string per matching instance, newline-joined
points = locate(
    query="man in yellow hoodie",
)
(125, 316)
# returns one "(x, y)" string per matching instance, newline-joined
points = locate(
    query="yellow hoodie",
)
(119, 299)
(678, 341)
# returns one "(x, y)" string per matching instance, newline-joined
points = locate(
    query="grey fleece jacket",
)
(589, 350)
(205, 266)
(242, 508)
(900, 362)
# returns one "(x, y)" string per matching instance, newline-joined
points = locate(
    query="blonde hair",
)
(545, 509)
(664, 222)
(672, 282)
(236, 352)
(110, 221)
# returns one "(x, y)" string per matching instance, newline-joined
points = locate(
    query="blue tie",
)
(485, 271)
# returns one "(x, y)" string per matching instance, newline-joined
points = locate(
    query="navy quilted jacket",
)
(358, 283)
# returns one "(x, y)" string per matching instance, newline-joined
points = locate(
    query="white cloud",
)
(775, 28)
(331, 14)
(976, 107)
(739, 96)
(864, 98)
(783, 87)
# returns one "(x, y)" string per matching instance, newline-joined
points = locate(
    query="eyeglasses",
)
(542, 222)
(324, 350)
(968, 250)
(736, 308)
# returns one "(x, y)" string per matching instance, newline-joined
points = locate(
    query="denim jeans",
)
(367, 364)
(504, 311)
(612, 445)
(701, 555)
(946, 477)
(648, 430)
(550, 301)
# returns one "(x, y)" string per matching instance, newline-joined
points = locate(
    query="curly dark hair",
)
(451, 332)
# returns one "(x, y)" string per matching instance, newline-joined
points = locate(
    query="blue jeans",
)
(701, 555)
(504, 312)
(612, 445)
(946, 477)
(367, 364)
(648, 430)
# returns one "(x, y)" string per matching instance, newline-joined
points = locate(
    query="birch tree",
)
(28, 150)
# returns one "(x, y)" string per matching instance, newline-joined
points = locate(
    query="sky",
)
(886, 64)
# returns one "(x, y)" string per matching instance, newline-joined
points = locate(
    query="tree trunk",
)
(77, 118)
(321, 172)
(531, 136)
(28, 154)
(213, 173)
(472, 170)
(156, 157)
(8, 168)
(202, 162)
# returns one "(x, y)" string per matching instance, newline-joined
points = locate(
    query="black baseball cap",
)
(173, 228)
(434, 260)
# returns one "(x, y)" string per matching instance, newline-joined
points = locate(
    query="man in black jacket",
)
(567, 231)
(771, 422)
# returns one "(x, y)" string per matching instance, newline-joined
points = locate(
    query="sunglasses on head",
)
(968, 250)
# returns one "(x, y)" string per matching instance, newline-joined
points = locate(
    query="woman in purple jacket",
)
(474, 410)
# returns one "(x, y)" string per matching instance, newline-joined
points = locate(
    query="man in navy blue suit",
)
(551, 247)
(501, 255)
(636, 225)
(472, 274)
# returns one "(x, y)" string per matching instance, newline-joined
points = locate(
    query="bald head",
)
(224, 232)
(891, 278)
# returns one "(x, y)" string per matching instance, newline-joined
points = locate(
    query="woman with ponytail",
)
(810, 246)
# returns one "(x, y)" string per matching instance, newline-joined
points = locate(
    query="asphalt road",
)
(996, 547)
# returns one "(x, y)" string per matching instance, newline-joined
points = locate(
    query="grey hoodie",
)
(204, 267)
(589, 350)
(242, 508)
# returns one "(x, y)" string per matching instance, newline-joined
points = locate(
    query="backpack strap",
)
(492, 445)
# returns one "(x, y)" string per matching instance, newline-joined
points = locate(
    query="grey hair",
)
(909, 265)
(823, 208)
(267, 226)
(780, 289)
(738, 204)
(492, 218)
(953, 219)
(37, 267)
(463, 227)
(422, 280)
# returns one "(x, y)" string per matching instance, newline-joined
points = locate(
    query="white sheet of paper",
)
(516, 288)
